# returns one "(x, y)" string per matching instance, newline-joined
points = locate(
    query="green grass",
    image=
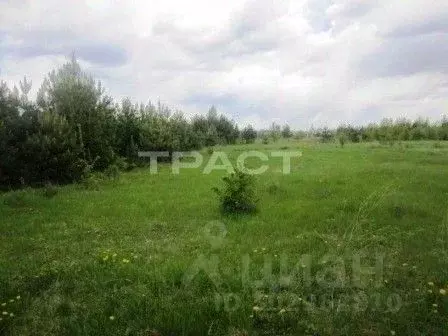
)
(132, 248)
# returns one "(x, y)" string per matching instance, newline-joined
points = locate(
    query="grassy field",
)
(151, 254)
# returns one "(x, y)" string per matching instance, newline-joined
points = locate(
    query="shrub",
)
(210, 150)
(265, 140)
(238, 194)
(121, 163)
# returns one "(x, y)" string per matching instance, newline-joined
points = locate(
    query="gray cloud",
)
(307, 62)
(407, 56)
(317, 16)
(438, 24)
(63, 43)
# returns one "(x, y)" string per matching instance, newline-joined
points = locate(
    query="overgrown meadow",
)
(354, 241)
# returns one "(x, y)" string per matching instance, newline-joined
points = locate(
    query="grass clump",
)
(16, 199)
(49, 190)
(113, 172)
(238, 194)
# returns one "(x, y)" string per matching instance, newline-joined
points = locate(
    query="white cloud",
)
(304, 62)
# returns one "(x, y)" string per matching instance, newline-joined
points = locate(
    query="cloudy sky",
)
(304, 62)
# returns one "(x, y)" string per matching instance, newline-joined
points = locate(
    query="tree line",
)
(387, 131)
(73, 128)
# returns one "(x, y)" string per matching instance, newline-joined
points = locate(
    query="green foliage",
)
(213, 130)
(325, 135)
(349, 133)
(76, 96)
(249, 134)
(275, 132)
(74, 126)
(286, 132)
(238, 194)
(388, 131)
(299, 135)
(265, 139)
(341, 139)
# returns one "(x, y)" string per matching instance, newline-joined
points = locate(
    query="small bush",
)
(238, 194)
(210, 150)
(341, 140)
(437, 145)
(49, 190)
(265, 140)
